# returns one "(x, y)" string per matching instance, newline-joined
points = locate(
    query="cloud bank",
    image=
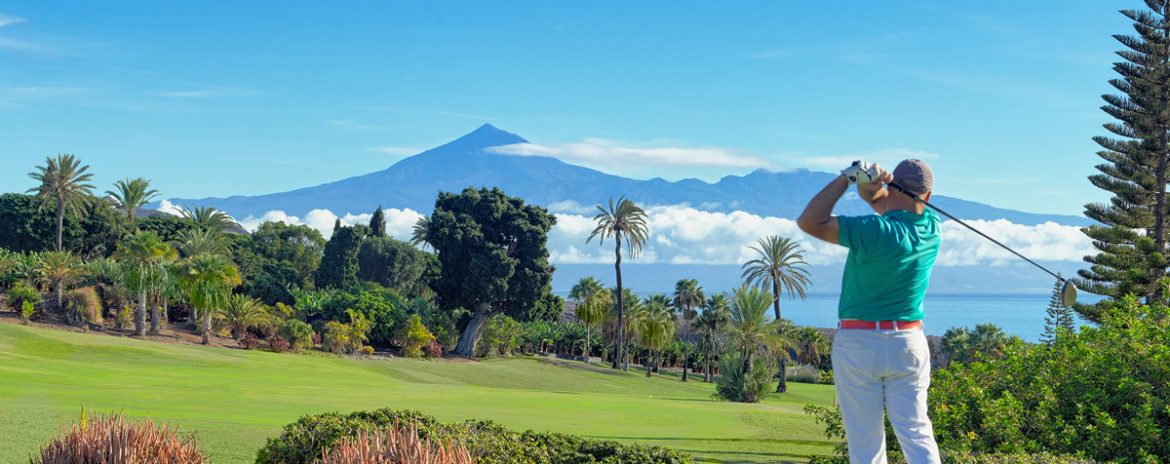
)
(681, 234)
(594, 151)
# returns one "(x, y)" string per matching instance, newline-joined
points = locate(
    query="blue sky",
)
(224, 98)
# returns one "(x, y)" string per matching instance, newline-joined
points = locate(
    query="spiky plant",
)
(395, 446)
(111, 439)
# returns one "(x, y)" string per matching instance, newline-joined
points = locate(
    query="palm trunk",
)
(59, 293)
(621, 345)
(782, 358)
(782, 387)
(587, 351)
(686, 363)
(60, 221)
(206, 327)
(467, 341)
(154, 318)
(140, 316)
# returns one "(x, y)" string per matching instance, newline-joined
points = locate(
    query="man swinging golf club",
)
(881, 361)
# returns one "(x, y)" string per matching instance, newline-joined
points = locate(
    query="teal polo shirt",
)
(889, 264)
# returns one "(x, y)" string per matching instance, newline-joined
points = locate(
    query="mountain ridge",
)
(414, 182)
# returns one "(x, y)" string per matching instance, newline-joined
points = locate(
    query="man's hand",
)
(860, 172)
(874, 192)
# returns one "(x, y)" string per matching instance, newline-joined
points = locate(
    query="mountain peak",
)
(485, 136)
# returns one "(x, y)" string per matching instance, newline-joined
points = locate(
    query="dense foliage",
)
(303, 441)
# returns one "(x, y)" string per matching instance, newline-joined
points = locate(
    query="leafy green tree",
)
(209, 218)
(393, 264)
(242, 312)
(378, 223)
(494, 258)
(1131, 232)
(753, 337)
(298, 245)
(779, 267)
(501, 336)
(64, 187)
(585, 288)
(339, 264)
(145, 258)
(130, 195)
(1059, 319)
(208, 281)
(711, 324)
(61, 270)
(625, 220)
(592, 312)
(654, 324)
(167, 227)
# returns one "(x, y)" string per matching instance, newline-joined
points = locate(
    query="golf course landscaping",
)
(234, 400)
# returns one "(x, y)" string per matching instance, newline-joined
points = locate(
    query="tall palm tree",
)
(990, 340)
(752, 334)
(711, 323)
(130, 195)
(585, 288)
(623, 220)
(208, 218)
(688, 296)
(420, 231)
(145, 257)
(208, 280)
(779, 268)
(241, 312)
(202, 241)
(60, 269)
(591, 312)
(655, 326)
(64, 186)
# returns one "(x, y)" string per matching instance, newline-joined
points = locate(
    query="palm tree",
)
(145, 257)
(585, 288)
(989, 339)
(241, 312)
(623, 220)
(64, 186)
(420, 231)
(60, 269)
(752, 334)
(957, 344)
(688, 296)
(591, 313)
(655, 325)
(811, 345)
(208, 218)
(711, 322)
(130, 195)
(202, 241)
(208, 280)
(779, 267)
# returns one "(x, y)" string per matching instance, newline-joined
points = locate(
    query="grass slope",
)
(233, 400)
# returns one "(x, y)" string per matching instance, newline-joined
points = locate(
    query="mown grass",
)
(233, 400)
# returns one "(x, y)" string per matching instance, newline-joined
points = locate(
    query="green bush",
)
(500, 337)
(345, 338)
(737, 385)
(22, 292)
(383, 308)
(26, 311)
(303, 441)
(1040, 458)
(82, 307)
(1102, 393)
(298, 333)
(124, 317)
(414, 337)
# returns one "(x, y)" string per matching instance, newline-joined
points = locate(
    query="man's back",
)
(889, 264)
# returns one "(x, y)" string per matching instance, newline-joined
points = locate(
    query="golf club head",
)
(1068, 294)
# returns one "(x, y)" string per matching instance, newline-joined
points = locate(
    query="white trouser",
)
(872, 369)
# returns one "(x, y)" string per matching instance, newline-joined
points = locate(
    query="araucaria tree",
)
(378, 223)
(1059, 320)
(779, 268)
(64, 187)
(627, 221)
(339, 265)
(1131, 236)
(494, 258)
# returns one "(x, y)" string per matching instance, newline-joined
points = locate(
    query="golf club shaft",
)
(960, 221)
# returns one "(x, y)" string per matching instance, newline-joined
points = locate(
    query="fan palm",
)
(592, 312)
(623, 220)
(989, 339)
(208, 280)
(655, 326)
(811, 345)
(60, 269)
(64, 187)
(711, 322)
(242, 312)
(585, 288)
(957, 344)
(145, 257)
(208, 218)
(688, 296)
(129, 195)
(779, 267)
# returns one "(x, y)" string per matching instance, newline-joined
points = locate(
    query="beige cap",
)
(914, 175)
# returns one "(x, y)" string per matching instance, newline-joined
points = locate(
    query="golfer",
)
(881, 361)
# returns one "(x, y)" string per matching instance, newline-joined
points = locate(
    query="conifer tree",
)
(339, 265)
(378, 223)
(1131, 236)
(1060, 318)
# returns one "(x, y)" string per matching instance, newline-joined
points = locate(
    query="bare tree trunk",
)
(467, 341)
(154, 318)
(140, 316)
(587, 351)
(686, 363)
(206, 327)
(782, 359)
(60, 221)
(621, 342)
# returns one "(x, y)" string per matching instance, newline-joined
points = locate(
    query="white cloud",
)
(681, 234)
(167, 207)
(601, 152)
(6, 20)
(396, 151)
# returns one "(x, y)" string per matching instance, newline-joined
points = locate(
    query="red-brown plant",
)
(110, 439)
(397, 445)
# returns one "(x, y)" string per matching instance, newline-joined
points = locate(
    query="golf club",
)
(1068, 292)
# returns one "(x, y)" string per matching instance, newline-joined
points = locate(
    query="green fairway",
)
(233, 400)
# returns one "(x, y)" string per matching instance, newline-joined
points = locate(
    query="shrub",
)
(277, 344)
(434, 350)
(501, 336)
(737, 385)
(367, 350)
(22, 292)
(316, 338)
(110, 439)
(249, 342)
(305, 440)
(803, 373)
(124, 317)
(82, 307)
(298, 333)
(1040, 458)
(394, 446)
(26, 311)
(827, 377)
(346, 338)
(413, 337)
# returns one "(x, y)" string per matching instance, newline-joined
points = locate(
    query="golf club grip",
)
(960, 221)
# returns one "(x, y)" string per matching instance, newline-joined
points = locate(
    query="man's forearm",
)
(875, 198)
(820, 208)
